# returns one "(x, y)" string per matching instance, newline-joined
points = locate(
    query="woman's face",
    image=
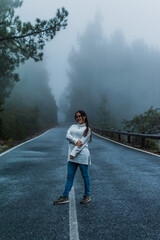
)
(79, 118)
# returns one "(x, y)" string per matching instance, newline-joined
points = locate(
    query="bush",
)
(19, 123)
(152, 144)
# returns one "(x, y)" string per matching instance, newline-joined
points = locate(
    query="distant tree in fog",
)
(31, 106)
(147, 122)
(127, 74)
(86, 66)
(104, 118)
(21, 41)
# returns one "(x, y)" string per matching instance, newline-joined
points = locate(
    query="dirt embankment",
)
(4, 144)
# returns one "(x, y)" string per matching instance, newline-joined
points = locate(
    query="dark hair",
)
(83, 114)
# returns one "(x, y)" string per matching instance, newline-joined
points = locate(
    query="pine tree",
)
(20, 41)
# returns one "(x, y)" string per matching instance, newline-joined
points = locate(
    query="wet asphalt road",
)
(125, 191)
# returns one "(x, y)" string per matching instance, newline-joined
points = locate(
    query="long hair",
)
(83, 114)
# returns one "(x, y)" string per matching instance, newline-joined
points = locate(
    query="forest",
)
(115, 82)
(111, 79)
(27, 105)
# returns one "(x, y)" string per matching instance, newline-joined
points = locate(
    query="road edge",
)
(140, 150)
(7, 151)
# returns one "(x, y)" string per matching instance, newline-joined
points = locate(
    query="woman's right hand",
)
(79, 143)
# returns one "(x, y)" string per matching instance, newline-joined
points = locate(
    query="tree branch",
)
(28, 34)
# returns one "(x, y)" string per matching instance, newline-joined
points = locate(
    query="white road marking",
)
(22, 144)
(73, 224)
(126, 145)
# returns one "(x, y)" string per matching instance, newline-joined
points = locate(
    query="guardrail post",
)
(111, 135)
(129, 139)
(119, 137)
(142, 142)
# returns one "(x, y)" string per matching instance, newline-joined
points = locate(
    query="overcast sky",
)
(138, 19)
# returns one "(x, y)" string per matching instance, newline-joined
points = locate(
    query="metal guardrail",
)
(133, 139)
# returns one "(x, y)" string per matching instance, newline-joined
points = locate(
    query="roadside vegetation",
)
(27, 106)
(147, 122)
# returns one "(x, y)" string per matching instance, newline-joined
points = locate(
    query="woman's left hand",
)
(79, 143)
(71, 157)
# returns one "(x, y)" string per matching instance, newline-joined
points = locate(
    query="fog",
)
(33, 89)
(128, 75)
(110, 47)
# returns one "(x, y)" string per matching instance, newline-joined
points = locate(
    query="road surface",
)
(125, 191)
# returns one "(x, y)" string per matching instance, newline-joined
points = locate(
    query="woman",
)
(78, 136)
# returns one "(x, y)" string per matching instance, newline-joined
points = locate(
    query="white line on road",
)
(73, 224)
(126, 145)
(22, 144)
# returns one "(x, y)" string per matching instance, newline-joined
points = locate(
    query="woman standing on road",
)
(78, 136)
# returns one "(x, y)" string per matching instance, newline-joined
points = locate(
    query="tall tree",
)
(104, 118)
(127, 74)
(86, 65)
(31, 106)
(148, 122)
(20, 41)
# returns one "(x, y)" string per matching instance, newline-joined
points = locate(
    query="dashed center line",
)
(73, 224)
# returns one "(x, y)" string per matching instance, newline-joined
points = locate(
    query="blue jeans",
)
(72, 168)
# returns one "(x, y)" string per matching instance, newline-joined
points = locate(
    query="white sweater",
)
(81, 154)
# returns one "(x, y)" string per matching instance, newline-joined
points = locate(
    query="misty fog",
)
(108, 68)
(127, 74)
(31, 106)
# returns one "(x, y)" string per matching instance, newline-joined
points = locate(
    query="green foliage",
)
(31, 106)
(19, 123)
(151, 144)
(148, 122)
(20, 41)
